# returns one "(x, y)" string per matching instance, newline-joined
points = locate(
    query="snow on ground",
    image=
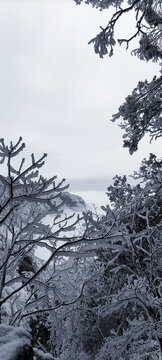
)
(12, 340)
(15, 343)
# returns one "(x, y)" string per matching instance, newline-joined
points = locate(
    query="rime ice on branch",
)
(141, 111)
(26, 198)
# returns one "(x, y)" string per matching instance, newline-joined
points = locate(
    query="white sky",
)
(59, 96)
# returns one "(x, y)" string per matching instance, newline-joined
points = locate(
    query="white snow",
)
(41, 355)
(11, 340)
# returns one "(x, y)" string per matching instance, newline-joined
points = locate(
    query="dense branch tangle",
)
(25, 200)
(28, 285)
(83, 266)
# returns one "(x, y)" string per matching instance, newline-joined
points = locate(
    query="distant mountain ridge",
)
(73, 202)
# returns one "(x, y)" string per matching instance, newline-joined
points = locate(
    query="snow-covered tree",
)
(141, 111)
(119, 315)
(33, 292)
(29, 285)
(124, 306)
(147, 15)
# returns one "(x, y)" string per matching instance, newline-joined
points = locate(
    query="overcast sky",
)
(59, 96)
